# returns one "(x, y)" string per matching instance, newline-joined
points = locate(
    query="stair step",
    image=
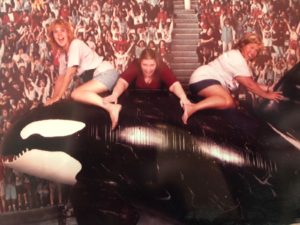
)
(188, 65)
(175, 2)
(186, 16)
(184, 47)
(187, 25)
(178, 59)
(184, 71)
(186, 36)
(181, 1)
(184, 79)
(187, 20)
(185, 11)
(185, 53)
(185, 31)
(178, 41)
(181, 6)
(185, 40)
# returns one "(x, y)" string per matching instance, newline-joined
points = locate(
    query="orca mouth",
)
(57, 166)
(40, 149)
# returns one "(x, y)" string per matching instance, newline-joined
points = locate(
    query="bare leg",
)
(3, 203)
(114, 111)
(216, 97)
(59, 193)
(88, 93)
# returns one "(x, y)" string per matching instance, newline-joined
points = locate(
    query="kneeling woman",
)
(218, 78)
(77, 59)
(148, 73)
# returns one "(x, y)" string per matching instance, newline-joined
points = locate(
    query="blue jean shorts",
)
(108, 78)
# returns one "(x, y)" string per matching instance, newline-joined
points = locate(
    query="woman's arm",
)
(2, 48)
(260, 90)
(118, 90)
(61, 85)
(177, 89)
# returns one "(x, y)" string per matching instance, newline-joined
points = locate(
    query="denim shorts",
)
(108, 78)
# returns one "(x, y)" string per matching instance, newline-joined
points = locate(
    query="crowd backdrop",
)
(119, 30)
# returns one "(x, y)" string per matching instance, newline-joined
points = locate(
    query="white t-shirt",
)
(80, 55)
(224, 69)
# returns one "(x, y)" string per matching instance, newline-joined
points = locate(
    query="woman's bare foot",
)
(114, 111)
(187, 112)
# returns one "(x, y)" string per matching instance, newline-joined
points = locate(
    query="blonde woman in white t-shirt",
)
(218, 78)
(77, 59)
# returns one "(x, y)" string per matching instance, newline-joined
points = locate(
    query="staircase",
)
(184, 43)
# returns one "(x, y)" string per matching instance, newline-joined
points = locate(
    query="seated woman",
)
(216, 80)
(148, 73)
(77, 59)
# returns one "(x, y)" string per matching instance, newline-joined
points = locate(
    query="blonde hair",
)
(64, 24)
(248, 38)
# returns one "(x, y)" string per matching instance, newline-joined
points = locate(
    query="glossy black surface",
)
(285, 115)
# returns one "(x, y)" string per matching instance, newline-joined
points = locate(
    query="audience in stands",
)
(119, 31)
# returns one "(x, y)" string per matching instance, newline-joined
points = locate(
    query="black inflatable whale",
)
(228, 167)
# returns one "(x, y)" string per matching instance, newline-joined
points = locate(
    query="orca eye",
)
(52, 128)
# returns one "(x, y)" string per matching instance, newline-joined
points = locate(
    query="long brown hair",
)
(148, 53)
(63, 24)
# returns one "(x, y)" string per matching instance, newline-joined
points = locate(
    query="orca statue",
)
(224, 167)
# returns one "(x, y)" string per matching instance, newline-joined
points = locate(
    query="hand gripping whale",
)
(224, 167)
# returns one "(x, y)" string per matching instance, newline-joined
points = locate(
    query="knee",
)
(75, 94)
(229, 103)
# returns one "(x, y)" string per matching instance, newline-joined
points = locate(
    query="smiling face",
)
(250, 51)
(148, 67)
(60, 36)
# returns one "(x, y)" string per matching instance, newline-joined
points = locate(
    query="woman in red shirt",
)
(148, 73)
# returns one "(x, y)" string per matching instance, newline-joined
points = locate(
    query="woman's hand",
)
(51, 101)
(275, 95)
(262, 91)
(184, 101)
(111, 99)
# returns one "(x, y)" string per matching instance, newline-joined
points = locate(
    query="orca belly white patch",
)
(55, 166)
(52, 128)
